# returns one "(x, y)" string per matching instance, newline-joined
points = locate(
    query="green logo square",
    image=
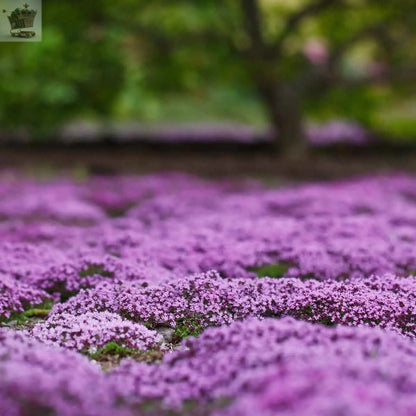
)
(21, 23)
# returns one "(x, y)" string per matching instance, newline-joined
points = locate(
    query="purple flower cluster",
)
(126, 259)
(93, 330)
(39, 380)
(17, 296)
(267, 367)
(207, 299)
(284, 367)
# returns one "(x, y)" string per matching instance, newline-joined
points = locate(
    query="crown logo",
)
(21, 18)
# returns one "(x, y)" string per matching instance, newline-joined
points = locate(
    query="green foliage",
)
(36, 313)
(188, 326)
(187, 61)
(188, 49)
(278, 270)
(113, 353)
(112, 348)
(271, 270)
(76, 70)
(396, 117)
(356, 104)
(30, 313)
(94, 269)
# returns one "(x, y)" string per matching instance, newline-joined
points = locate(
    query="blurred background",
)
(289, 74)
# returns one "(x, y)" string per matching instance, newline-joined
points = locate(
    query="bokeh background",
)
(263, 65)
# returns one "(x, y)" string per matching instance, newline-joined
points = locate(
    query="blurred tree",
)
(315, 57)
(297, 55)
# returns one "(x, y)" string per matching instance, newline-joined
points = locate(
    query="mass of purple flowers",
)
(257, 299)
(95, 329)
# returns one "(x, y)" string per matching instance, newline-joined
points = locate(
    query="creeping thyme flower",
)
(95, 329)
(298, 300)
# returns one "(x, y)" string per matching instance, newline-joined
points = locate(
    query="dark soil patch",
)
(214, 160)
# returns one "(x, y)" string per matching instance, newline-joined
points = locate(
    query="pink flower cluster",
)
(16, 296)
(208, 300)
(92, 330)
(39, 380)
(267, 367)
(281, 366)
(126, 259)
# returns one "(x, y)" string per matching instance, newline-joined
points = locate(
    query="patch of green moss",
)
(111, 354)
(40, 310)
(275, 270)
(189, 326)
(36, 313)
(112, 348)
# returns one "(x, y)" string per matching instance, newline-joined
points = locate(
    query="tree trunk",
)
(285, 114)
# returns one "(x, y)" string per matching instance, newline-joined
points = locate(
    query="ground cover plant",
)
(172, 295)
(336, 132)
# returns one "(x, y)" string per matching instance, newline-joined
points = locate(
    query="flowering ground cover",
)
(333, 132)
(173, 295)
